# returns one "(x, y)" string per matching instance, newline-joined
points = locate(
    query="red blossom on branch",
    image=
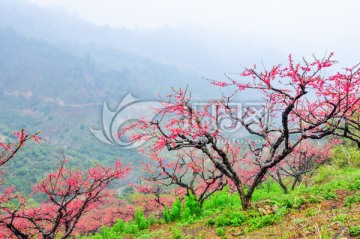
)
(10, 149)
(302, 162)
(301, 103)
(70, 194)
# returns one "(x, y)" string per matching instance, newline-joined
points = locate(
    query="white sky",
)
(328, 24)
(275, 16)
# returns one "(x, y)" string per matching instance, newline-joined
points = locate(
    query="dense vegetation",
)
(326, 207)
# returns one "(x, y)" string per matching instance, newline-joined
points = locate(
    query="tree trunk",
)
(246, 203)
(201, 202)
(294, 183)
(244, 198)
(282, 185)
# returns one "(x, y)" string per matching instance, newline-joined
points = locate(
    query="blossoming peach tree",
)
(302, 162)
(187, 170)
(301, 103)
(69, 195)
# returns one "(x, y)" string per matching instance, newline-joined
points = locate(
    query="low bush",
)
(354, 231)
(220, 231)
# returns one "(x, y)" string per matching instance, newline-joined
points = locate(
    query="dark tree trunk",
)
(16, 232)
(246, 202)
(201, 201)
(48, 237)
(283, 186)
(295, 182)
(281, 183)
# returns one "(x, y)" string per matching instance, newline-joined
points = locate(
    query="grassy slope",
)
(327, 219)
(328, 208)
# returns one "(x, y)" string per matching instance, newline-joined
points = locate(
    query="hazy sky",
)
(275, 16)
(313, 24)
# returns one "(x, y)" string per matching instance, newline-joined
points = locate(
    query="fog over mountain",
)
(57, 71)
(190, 47)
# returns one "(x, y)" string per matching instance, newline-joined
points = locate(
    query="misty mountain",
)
(207, 53)
(46, 87)
(43, 83)
(57, 71)
(99, 74)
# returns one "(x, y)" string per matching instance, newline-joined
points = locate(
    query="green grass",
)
(354, 231)
(223, 209)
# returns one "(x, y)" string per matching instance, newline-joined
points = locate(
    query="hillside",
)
(327, 207)
(45, 87)
(56, 73)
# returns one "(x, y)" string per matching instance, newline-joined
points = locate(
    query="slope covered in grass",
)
(327, 206)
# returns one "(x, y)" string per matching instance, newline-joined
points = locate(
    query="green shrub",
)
(328, 195)
(97, 236)
(107, 233)
(232, 218)
(253, 213)
(314, 199)
(210, 222)
(131, 228)
(151, 219)
(268, 190)
(192, 208)
(291, 201)
(166, 215)
(355, 185)
(354, 231)
(340, 218)
(118, 226)
(237, 218)
(267, 220)
(140, 219)
(261, 222)
(175, 213)
(177, 233)
(220, 200)
(220, 231)
(222, 220)
(352, 199)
